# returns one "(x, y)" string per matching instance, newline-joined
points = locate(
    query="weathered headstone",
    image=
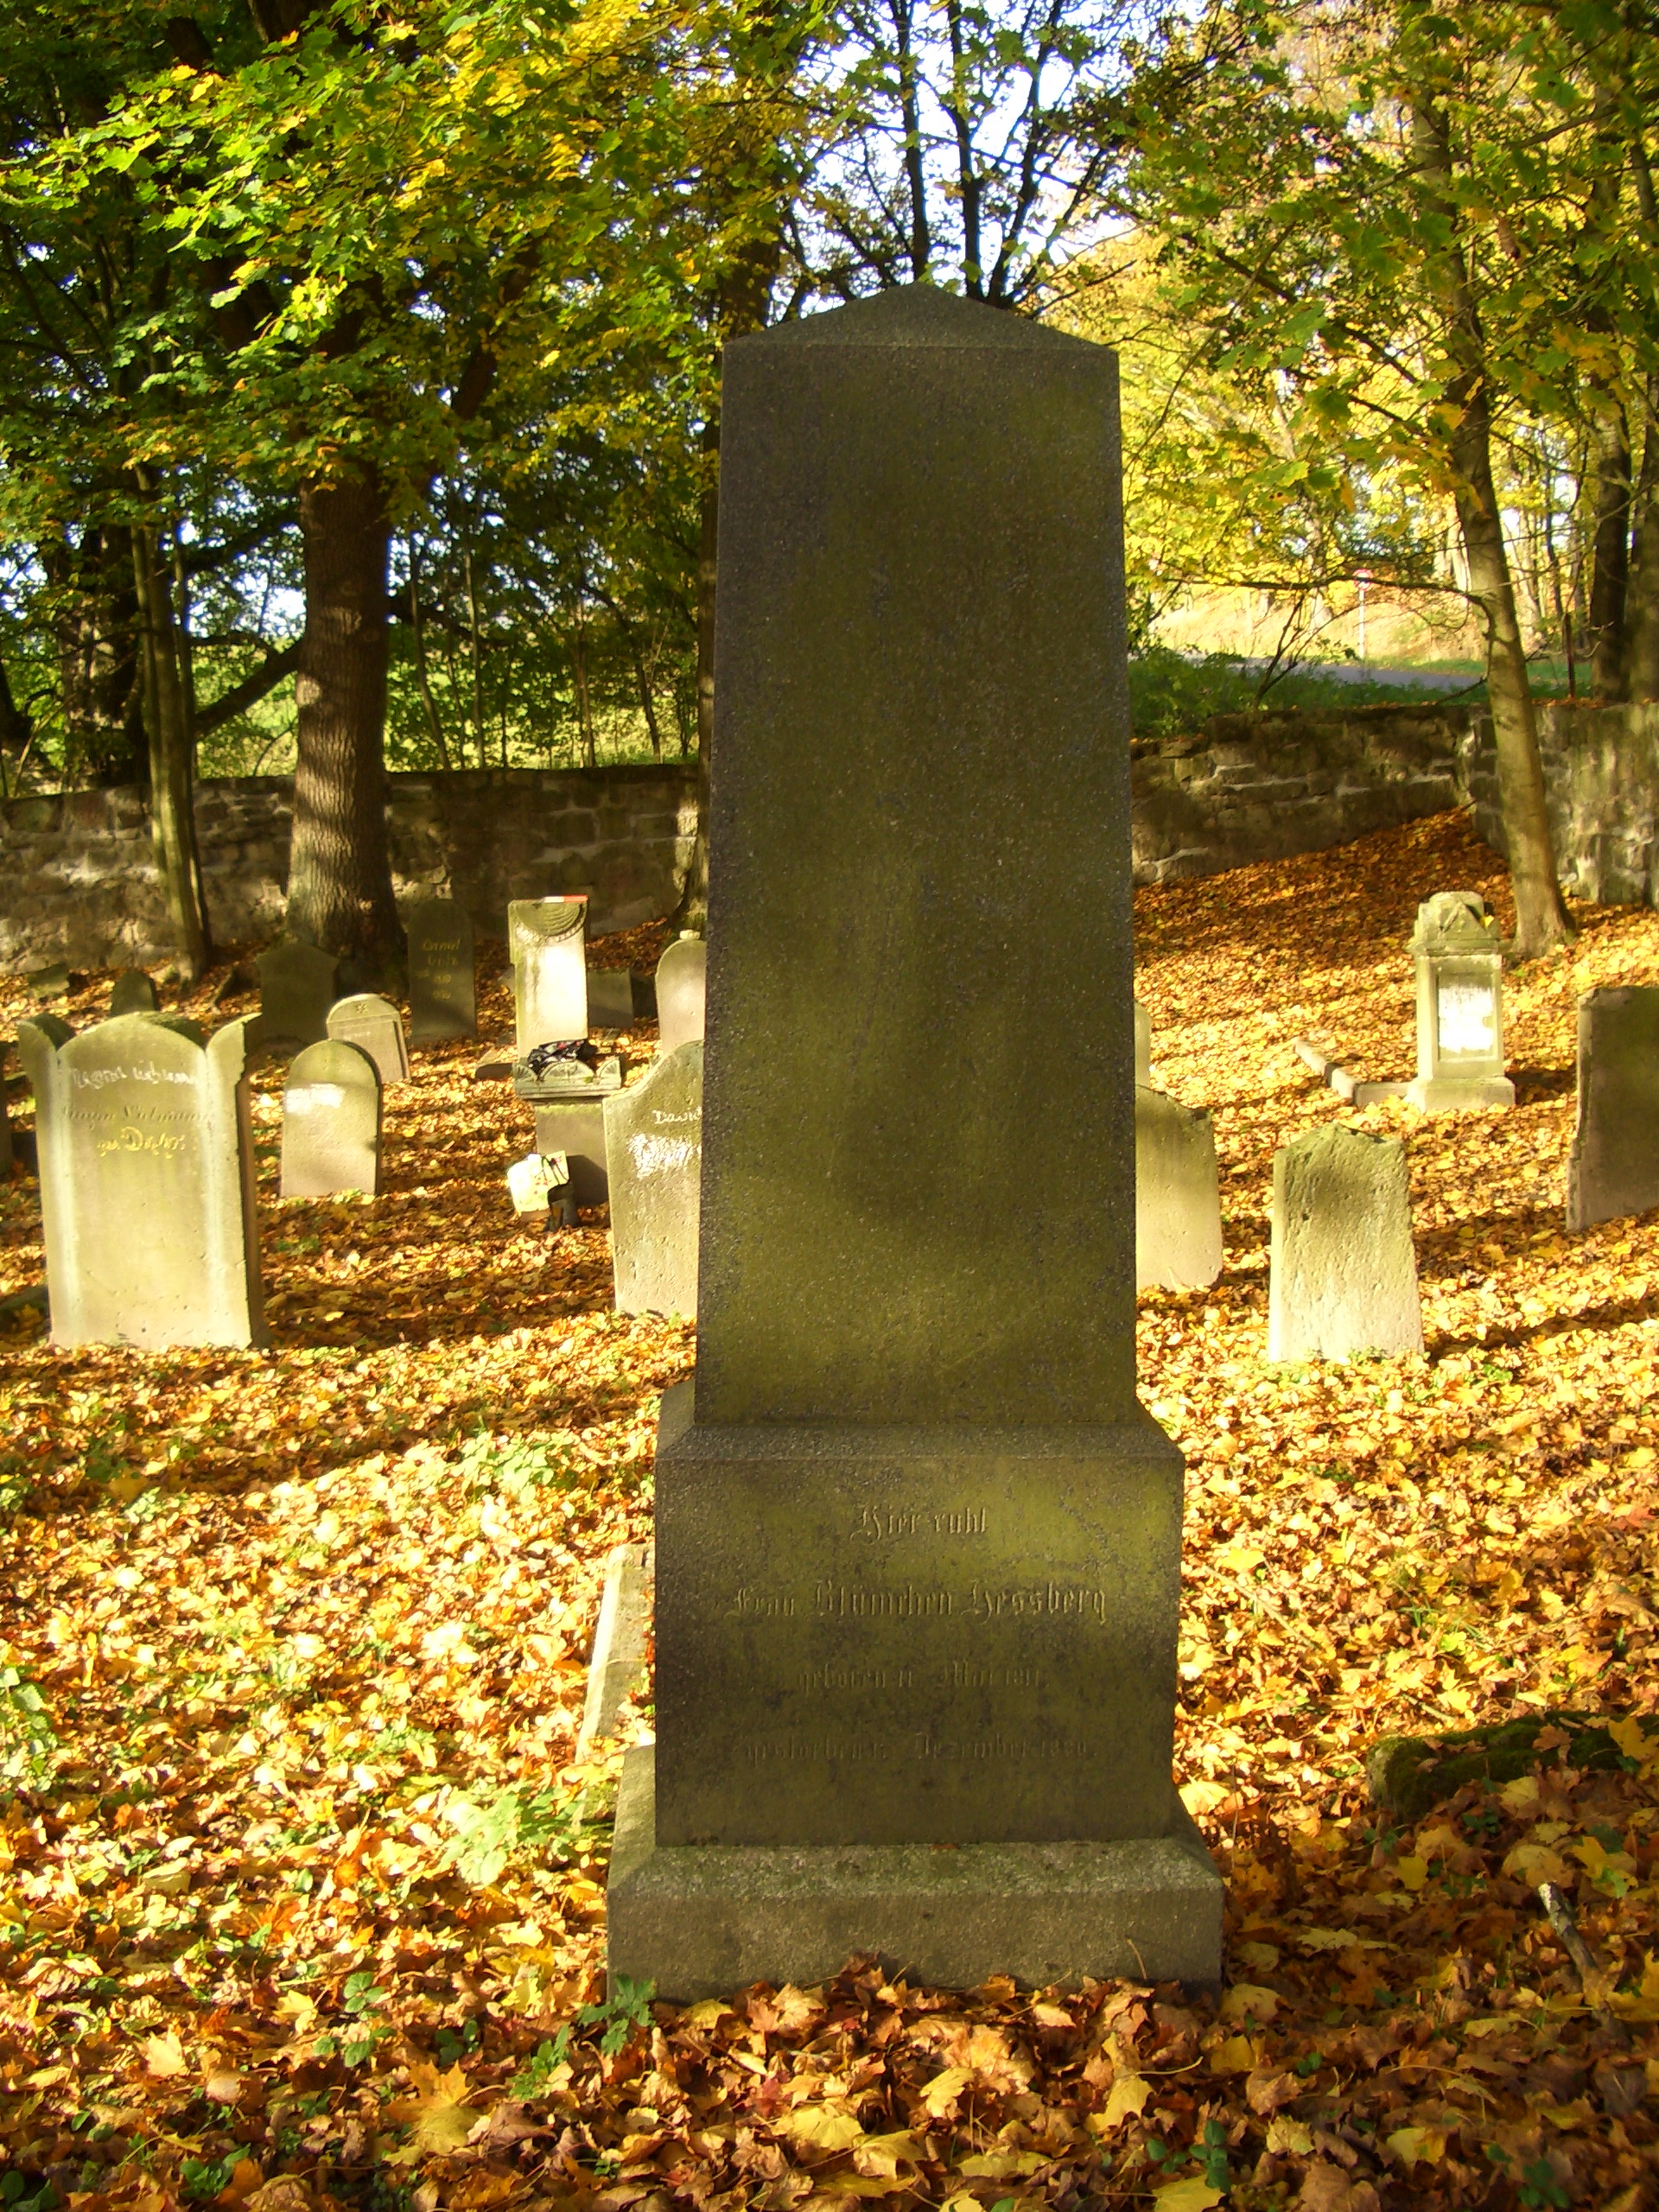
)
(1459, 1007)
(374, 1023)
(610, 998)
(550, 970)
(146, 1164)
(653, 1154)
(918, 1546)
(1177, 1195)
(296, 988)
(443, 980)
(331, 1122)
(681, 987)
(1343, 1275)
(133, 992)
(1142, 1045)
(1613, 1167)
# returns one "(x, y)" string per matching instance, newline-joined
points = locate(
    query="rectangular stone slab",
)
(920, 807)
(1613, 1167)
(704, 1922)
(576, 1128)
(914, 1636)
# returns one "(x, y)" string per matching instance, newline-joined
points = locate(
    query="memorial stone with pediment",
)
(443, 980)
(331, 1122)
(373, 1023)
(546, 943)
(146, 1166)
(1459, 967)
(918, 1543)
(297, 984)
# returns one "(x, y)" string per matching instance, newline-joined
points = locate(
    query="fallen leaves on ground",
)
(302, 1899)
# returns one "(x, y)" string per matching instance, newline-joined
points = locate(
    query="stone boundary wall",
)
(1269, 784)
(78, 881)
(1601, 771)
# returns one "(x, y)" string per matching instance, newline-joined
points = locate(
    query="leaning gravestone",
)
(654, 1157)
(1177, 1195)
(443, 981)
(146, 1164)
(918, 1546)
(132, 992)
(681, 987)
(550, 970)
(296, 988)
(1343, 1272)
(375, 1024)
(1459, 1007)
(1613, 1167)
(331, 1122)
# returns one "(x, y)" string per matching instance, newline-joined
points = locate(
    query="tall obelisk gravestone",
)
(918, 1547)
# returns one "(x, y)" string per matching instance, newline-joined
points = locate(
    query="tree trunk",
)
(1540, 921)
(1610, 448)
(97, 622)
(172, 808)
(339, 894)
(1641, 624)
(692, 912)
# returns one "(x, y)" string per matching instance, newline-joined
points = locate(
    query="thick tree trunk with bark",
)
(101, 680)
(1642, 604)
(172, 756)
(1610, 448)
(340, 893)
(1541, 921)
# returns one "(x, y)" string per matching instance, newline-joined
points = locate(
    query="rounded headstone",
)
(374, 1023)
(1343, 1271)
(681, 975)
(331, 1122)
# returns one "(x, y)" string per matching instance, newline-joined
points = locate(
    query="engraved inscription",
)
(884, 1751)
(858, 1678)
(760, 1605)
(876, 1523)
(908, 1601)
(965, 1675)
(100, 1078)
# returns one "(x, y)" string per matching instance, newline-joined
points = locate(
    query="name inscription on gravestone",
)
(443, 980)
(146, 1181)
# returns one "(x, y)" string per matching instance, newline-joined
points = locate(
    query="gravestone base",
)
(1456, 1095)
(576, 1126)
(703, 1920)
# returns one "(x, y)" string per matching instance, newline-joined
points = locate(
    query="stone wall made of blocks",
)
(1601, 773)
(78, 882)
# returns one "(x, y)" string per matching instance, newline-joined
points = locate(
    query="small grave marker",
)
(1177, 1195)
(296, 988)
(1344, 1272)
(618, 1662)
(681, 979)
(146, 1166)
(1613, 1167)
(331, 1122)
(653, 1154)
(374, 1023)
(443, 978)
(133, 992)
(1459, 1007)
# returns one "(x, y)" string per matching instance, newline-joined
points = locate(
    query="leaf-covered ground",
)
(302, 1899)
